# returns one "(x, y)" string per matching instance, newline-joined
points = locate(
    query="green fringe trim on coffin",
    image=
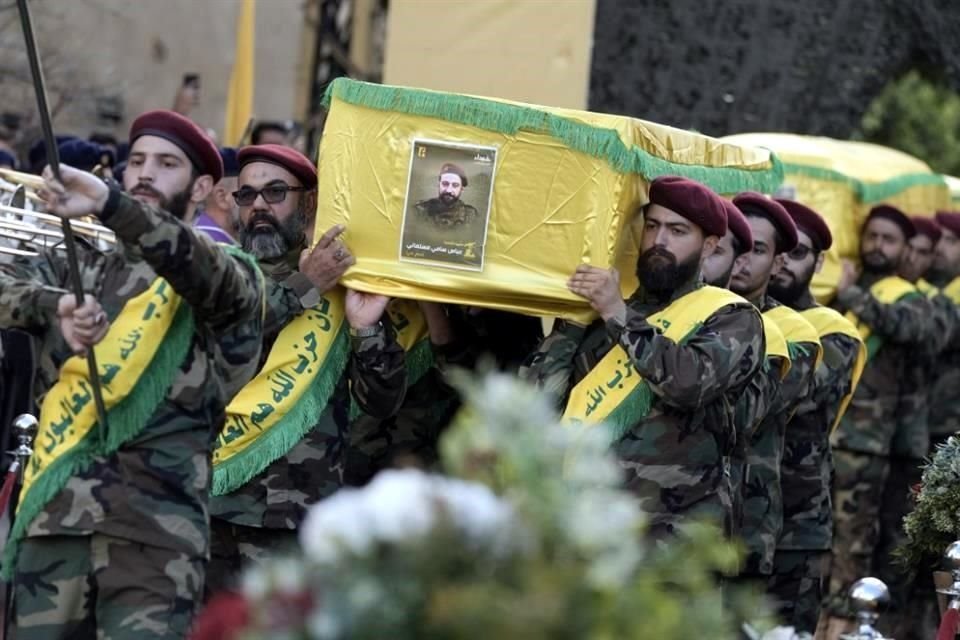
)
(418, 361)
(125, 421)
(821, 173)
(598, 142)
(870, 193)
(234, 472)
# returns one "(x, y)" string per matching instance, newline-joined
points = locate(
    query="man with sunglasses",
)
(802, 557)
(277, 199)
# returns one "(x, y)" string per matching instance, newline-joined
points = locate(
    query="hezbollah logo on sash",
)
(827, 322)
(888, 291)
(613, 392)
(139, 357)
(280, 405)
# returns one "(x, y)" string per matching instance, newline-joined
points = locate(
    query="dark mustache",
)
(146, 190)
(263, 217)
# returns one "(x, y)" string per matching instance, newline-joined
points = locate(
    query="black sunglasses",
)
(272, 194)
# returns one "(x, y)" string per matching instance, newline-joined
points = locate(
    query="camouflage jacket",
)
(871, 421)
(676, 458)
(763, 492)
(807, 461)
(441, 214)
(314, 468)
(153, 490)
(944, 375)
(751, 408)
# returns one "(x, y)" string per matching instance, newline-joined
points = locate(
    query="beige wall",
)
(534, 51)
(141, 49)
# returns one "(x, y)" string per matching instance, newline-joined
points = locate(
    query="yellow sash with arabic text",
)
(827, 322)
(283, 401)
(613, 392)
(138, 360)
(888, 291)
(952, 291)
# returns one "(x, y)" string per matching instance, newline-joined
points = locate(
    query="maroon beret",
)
(184, 133)
(692, 200)
(756, 204)
(454, 169)
(290, 159)
(895, 216)
(739, 227)
(949, 220)
(927, 227)
(810, 222)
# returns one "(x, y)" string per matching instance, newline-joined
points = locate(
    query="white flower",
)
(400, 505)
(783, 633)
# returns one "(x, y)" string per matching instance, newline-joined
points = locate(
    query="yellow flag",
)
(240, 94)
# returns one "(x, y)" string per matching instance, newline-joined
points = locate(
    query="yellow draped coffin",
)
(562, 190)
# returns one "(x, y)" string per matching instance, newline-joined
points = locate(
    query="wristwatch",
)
(308, 294)
(367, 332)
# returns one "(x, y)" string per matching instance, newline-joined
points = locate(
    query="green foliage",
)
(920, 116)
(934, 522)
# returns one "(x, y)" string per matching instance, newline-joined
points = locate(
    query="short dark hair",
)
(263, 127)
(778, 239)
(736, 245)
(103, 138)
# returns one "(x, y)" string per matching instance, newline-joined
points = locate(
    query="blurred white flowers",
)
(404, 505)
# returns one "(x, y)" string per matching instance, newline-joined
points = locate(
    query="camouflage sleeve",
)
(26, 303)
(757, 398)
(722, 355)
(799, 381)
(283, 305)
(834, 376)
(551, 366)
(907, 321)
(221, 289)
(943, 322)
(378, 374)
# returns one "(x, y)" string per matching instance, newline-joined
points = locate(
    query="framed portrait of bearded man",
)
(447, 207)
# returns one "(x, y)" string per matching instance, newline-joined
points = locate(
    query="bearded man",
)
(263, 485)
(664, 367)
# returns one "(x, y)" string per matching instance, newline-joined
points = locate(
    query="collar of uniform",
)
(280, 268)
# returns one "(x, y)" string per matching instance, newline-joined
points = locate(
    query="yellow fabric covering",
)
(842, 181)
(566, 185)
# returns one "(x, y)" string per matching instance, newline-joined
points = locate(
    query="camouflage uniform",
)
(676, 458)
(144, 506)
(763, 496)
(411, 437)
(863, 441)
(260, 518)
(944, 417)
(803, 552)
(442, 214)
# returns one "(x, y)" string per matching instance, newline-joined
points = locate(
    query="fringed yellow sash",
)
(796, 330)
(276, 409)
(827, 322)
(613, 392)
(283, 401)
(139, 359)
(888, 291)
